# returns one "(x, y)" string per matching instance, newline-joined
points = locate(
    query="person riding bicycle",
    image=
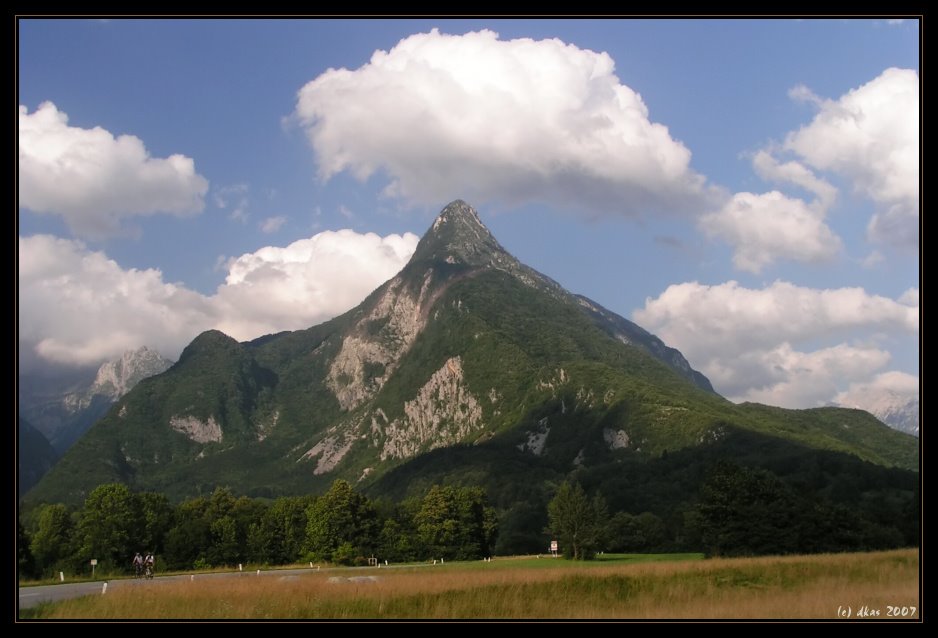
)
(148, 563)
(138, 565)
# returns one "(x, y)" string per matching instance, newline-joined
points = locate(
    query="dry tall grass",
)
(771, 588)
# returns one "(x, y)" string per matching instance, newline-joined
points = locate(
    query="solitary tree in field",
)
(577, 522)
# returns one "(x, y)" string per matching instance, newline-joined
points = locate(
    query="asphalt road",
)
(32, 596)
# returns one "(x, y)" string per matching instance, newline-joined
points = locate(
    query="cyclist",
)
(138, 565)
(148, 563)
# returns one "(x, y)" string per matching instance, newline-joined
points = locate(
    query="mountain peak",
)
(458, 236)
(116, 378)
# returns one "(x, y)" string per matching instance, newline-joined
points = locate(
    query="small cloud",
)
(872, 260)
(225, 195)
(766, 227)
(894, 22)
(909, 297)
(239, 214)
(234, 196)
(346, 212)
(770, 169)
(667, 240)
(272, 224)
(801, 93)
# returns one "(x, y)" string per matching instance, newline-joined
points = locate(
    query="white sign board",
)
(553, 546)
(94, 561)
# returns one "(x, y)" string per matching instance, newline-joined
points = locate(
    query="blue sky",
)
(746, 189)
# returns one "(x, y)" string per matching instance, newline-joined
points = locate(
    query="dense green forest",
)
(721, 508)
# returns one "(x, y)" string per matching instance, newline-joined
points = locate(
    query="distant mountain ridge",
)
(116, 378)
(898, 411)
(64, 409)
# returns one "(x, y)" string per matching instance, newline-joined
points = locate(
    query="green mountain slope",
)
(36, 456)
(466, 351)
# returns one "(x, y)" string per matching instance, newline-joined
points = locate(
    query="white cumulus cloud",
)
(487, 119)
(95, 180)
(771, 226)
(306, 282)
(870, 136)
(805, 379)
(78, 307)
(769, 168)
(767, 344)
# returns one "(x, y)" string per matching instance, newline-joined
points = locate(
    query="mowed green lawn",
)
(616, 586)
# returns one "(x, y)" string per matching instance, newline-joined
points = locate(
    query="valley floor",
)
(882, 585)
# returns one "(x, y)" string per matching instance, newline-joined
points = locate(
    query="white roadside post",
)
(104, 588)
(61, 577)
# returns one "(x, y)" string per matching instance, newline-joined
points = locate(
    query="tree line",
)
(341, 526)
(741, 511)
(738, 510)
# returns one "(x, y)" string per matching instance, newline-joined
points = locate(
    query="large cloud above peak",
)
(94, 180)
(489, 119)
(78, 307)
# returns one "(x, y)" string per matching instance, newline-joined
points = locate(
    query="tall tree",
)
(577, 522)
(745, 511)
(155, 518)
(278, 536)
(456, 523)
(107, 524)
(341, 518)
(25, 565)
(51, 544)
(190, 538)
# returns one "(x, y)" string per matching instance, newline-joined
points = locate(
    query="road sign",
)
(94, 561)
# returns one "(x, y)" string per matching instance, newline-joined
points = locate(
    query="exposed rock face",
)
(615, 439)
(444, 412)
(199, 431)
(371, 352)
(536, 442)
(330, 450)
(116, 378)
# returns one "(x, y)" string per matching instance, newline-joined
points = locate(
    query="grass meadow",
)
(619, 587)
